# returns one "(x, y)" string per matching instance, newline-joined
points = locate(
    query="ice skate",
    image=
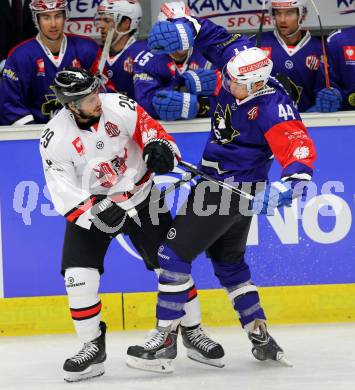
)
(264, 346)
(200, 347)
(156, 354)
(89, 361)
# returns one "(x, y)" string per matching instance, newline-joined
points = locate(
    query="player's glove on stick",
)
(277, 194)
(159, 156)
(107, 212)
(203, 81)
(328, 100)
(173, 105)
(167, 37)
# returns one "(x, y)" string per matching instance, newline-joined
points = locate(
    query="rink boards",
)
(305, 265)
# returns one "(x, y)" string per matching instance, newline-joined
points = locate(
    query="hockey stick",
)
(325, 58)
(222, 184)
(261, 25)
(105, 51)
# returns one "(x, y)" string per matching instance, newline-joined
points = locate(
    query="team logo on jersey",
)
(128, 65)
(108, 172)
(288, 64)
(349, 54)
(351, 99)
(111, 129)
(79, 146)
(172, 68)
(171, 234)
(99, 145)
(267, 50)
(76, 63)
(222, 125)
(253, 113)
(194, 65)
(312, 62)
(301, 152)
(40, 67)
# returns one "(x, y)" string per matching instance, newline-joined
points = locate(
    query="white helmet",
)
(247, 67)
(42, 6)
(117, 9)
(173, 10)
(301, 5)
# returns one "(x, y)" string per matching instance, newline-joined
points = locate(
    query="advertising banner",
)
(310, 243)
(245, 14)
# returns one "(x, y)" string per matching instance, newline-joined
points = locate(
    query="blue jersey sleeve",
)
(15, 84)
(151, 74)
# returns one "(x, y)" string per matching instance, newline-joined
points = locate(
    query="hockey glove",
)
(173, 105)
(328, 100)
(203, 81)
(167, 37)
(107, 212)
(277, 194)
(159, 156)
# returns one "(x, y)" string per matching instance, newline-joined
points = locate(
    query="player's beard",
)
(84, 120)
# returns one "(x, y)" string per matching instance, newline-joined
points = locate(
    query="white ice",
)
(323, 357)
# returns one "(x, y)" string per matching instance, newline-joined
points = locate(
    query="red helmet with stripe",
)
(42, 6)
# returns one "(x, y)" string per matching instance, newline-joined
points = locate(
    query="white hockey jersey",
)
(105, 159)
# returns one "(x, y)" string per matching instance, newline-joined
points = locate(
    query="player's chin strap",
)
(192, 168)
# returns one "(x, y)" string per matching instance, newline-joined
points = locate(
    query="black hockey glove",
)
(159, 155)
(107, 212)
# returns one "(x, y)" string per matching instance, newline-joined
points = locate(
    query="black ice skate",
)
(264, 346)
(156, 354)
(200, 347)
(88, 362)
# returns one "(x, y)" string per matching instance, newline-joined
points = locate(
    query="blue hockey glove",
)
(202, 81)
(167, 37)
(173, 105)
(328, 100)
(276, 194)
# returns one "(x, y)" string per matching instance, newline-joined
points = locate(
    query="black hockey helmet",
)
(72, 84)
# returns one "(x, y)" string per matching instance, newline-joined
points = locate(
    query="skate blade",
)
(283, 361)
(194, 355)
(162, 366)
(93, 371)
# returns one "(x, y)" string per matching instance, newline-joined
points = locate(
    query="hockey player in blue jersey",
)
(254, 119)
(341, 60)
(294, 52)
(178, 85)
(124, 16)
(26, 95)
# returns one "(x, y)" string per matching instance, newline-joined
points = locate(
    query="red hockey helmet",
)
(42, 6)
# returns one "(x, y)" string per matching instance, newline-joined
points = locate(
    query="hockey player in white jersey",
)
(100, 153)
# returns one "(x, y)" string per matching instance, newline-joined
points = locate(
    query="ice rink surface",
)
(323, 357)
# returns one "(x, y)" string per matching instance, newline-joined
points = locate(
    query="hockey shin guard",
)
(192, 307)
(175, 283)
(82, 286)
(236, 280)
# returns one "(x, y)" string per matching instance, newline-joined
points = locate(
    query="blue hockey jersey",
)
(341, 58)
(120, 66)
(25, 92)
(300, 63)
(246, 135)
(154, 72)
